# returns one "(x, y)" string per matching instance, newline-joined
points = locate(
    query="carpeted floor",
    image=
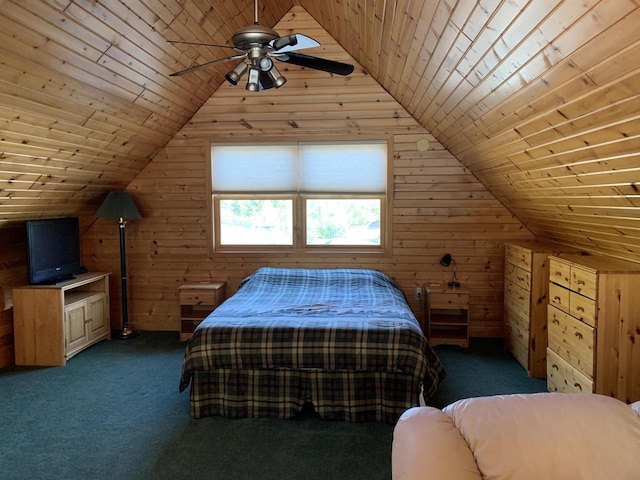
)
(114, 412)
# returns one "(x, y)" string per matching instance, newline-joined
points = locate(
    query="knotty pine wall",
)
(438, 206)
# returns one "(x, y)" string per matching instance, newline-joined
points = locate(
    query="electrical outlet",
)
(419, 294)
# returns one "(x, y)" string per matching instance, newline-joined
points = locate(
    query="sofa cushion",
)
(550, 435)
(426, 444)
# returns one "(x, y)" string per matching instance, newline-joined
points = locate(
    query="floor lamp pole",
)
(126, 332)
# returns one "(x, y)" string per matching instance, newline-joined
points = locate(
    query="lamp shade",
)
(118, 205)
(445, 261)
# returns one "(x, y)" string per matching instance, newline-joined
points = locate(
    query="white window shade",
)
(254, 168)
(354, 167)
(307, 167)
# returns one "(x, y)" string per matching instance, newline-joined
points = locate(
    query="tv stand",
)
(52, 323)
(55, 281)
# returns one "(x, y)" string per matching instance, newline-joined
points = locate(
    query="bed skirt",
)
(352, 396)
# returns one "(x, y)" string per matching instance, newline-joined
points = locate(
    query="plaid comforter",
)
(318, 319)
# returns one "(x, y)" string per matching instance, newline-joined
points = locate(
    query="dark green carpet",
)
(114, 412)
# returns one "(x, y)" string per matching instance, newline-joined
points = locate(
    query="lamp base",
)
(454, 284)
(124, 334)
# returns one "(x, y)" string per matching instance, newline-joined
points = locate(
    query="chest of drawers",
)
(525, 303)
(593, 322)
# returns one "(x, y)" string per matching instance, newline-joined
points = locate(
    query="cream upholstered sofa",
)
(517, 437)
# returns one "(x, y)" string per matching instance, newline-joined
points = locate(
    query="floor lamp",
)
(120, 205)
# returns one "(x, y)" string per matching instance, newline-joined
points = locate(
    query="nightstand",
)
(446, 314)
(197, 300)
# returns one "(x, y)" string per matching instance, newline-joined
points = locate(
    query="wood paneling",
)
(438, 206)
(536, 99)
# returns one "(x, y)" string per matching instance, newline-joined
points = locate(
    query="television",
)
(53, 250)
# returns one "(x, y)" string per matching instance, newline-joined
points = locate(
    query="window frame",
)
(299, 207)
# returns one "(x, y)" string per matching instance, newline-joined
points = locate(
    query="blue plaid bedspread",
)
(319, 319)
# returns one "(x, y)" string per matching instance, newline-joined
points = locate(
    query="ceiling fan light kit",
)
(259, 46)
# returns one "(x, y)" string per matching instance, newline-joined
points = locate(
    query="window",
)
(300, 195)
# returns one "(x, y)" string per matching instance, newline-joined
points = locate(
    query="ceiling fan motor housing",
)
(253, 35)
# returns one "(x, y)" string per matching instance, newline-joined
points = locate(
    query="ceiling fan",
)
(258, 47)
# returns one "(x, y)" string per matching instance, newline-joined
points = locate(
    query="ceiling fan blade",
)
(296, 41)
(203, 65)
(201, 44)
(316, 63)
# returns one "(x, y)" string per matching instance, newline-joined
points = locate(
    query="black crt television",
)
(53, 250)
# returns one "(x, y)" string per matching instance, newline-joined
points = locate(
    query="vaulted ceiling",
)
(539, 99)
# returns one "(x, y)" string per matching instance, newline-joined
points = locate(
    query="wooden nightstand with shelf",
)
(197, 300)
(446, 315)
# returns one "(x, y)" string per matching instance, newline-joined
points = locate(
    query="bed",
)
(343, 340)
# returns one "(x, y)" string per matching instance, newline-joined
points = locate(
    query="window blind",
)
(305, 167)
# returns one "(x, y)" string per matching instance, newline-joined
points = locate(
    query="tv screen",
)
(53, 249)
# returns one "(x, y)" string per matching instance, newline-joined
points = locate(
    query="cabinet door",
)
(98, 320)
(75, 316)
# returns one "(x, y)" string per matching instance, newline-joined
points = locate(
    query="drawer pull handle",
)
(577, 385)
(556, 299)
(556, 321)
(579, 335)
(581, 282)
(553, 365)
(557, 274)
(580, 309)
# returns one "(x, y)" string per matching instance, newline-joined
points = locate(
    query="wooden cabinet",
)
(446, 315)
(594, 320)
(54, 322)
(525, 303)
(198, 300)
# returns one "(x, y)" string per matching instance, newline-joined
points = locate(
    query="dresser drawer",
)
(562, 377)
(510, 272)
(511, 254)
(517, 298)
(582, 308)
(523, 278)
(523, 259)
(559, 272)
(559, 297)
(573, 340)
(449, 300)
(584, 282)
(519, 343)
(201, 296)
(519, 321)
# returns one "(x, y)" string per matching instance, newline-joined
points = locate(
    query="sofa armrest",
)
(426, 444)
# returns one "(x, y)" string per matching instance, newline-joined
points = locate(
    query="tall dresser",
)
(594, 326)
(525, 302)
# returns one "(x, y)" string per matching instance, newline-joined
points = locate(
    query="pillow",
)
(550, 435)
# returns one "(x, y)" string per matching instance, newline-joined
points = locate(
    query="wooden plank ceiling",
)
(539, 99)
